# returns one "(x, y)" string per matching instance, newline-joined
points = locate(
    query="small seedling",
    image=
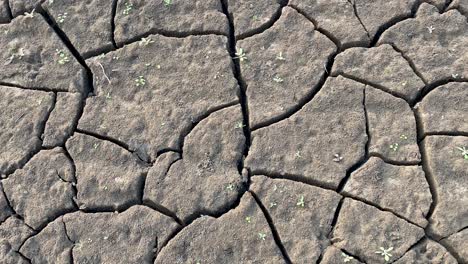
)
(455, 75)
(404, 137)
(248, 219)
(240, 124)
(464, 152)
(273, 204)
(394, 147)
(108, 96)
(167, 2)
(63, 57)
(128, 8)
(278, 79)
(280, 57)
(230, 187)
(385, 253)
(240, 55)
(430, 29)
(298, 154)
(346, 257)
(61, 17)
(140, 81)
(29, 15)
(301, 202)
(145, 41)
(262, 236)
(95, 146)
(255, 17)
(337, 158)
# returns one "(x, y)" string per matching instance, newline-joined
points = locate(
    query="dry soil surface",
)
(233, 131)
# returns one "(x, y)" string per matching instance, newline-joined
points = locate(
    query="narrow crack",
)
(336, 214)
(410, 62)
(353, 3)
(163, 210)
(366, 156)
(69, 239)
(450, 250)
(265, 26)
(384, 27)
(394, 162)
(351, 255)
(88, 75)
(447, 5)
(112, 22)
(295, 178)
(434, 85)
(273, 229)
(74, 183)
(41, 89)
(8, 9)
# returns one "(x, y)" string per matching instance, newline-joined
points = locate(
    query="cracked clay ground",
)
(234, 131)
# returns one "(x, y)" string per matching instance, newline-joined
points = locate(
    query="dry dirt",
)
(234, 131)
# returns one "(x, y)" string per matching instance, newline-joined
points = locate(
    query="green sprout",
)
(230, 187)
(240, 55)
(404, 137)
(128, 8)
(262, 236)
(273, 204)
(464, 152)
(140, 81)
(146, 41)
(280, 57)
(337, 157)
(95, 145)
(63, 57)
(61, 17)
(108, 96)
(278, 79)
(301, 201)
(248, 219)
(346, 257)
(240, 124)
(385, 253)
(394, 147)
(167, 2)
(298, 154)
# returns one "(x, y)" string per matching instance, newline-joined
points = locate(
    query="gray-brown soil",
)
(233, 131)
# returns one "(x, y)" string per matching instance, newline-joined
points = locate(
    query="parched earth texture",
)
(234, 131)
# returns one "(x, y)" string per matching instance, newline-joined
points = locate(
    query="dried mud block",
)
(24, 113)
(333, 255)
(13, 232)
(33, 56)
(307, 143)
(383, 67)
(279, 75)
(400, 189)
(448, 167)
(377, 13)
(207, 171)
(459, 243)
(461, 6)
(86, 23)
(4, 16)
(148, 94)
(392, 127)
(63, 117)
(436, 43)
(240, 236)
(50, 245)
(427, 252)
(440, 4)
(362, 230)
(42, 190)
(444, 110)
(337, 18)
(137, 18)
(251, 16)
(302, 215)
(5, 210)
(19, 7)
(108, 176)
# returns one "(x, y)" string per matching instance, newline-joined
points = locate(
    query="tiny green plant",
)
(394, 146)
(404, 137)
(146, 41)
(298, 154)
(230, 187)
(273, 204)
(108, 96)
(95, 145)
(337, 157)
(240, 124)
(240, 55)
(430, 29)
(346, 257)
(262, 236)
(29, 15)
(385, 253)
(464, 152)
(140, 81)
(278, 79)
(167, 2)
(127, 8)
(61, 17)
(280, 57)
(248, 219)
(63, 57)
(301, 202)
